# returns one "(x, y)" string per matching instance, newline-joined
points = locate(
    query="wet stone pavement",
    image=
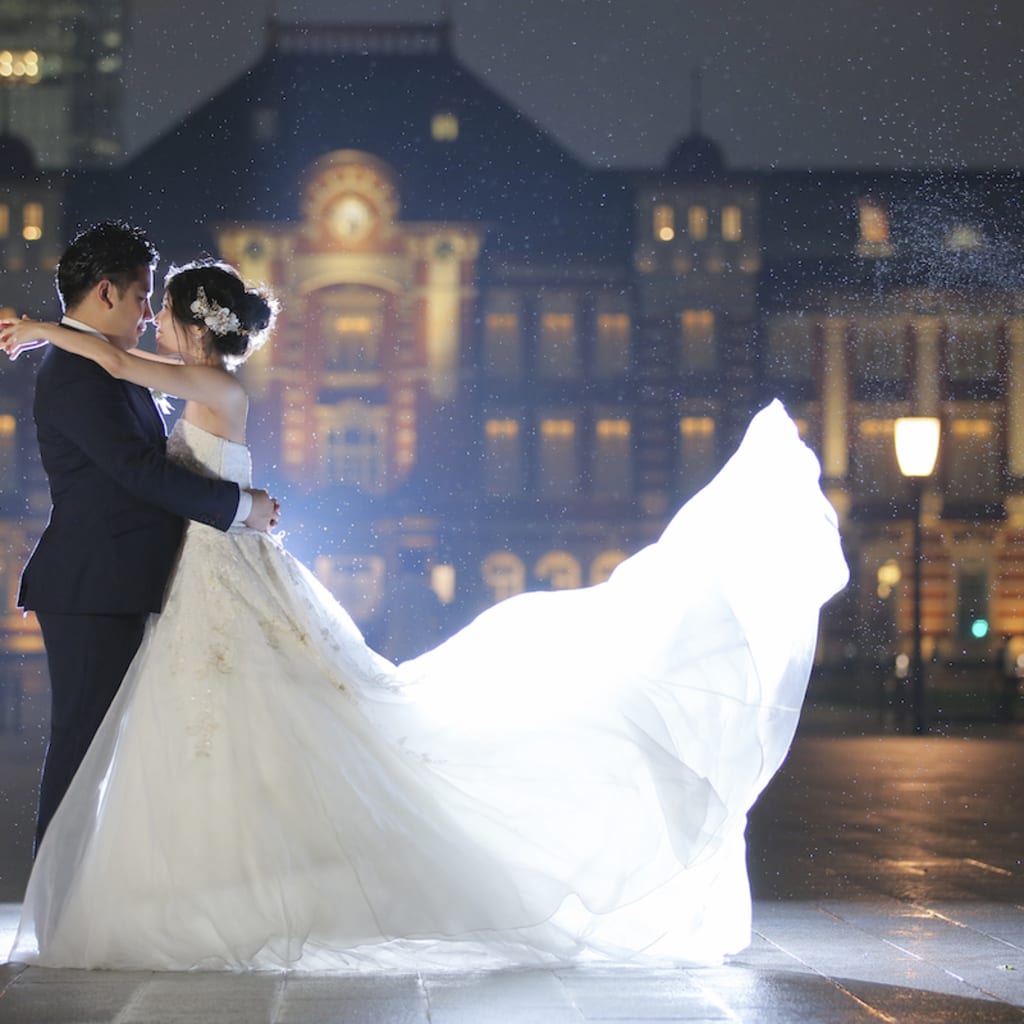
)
(888, 881)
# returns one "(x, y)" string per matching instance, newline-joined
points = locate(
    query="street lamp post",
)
(917, 447)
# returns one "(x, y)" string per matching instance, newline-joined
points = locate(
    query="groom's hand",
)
(265, 511)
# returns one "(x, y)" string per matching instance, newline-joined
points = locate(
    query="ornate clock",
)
(350, 218)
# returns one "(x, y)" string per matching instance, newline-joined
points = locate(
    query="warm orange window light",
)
(444, 127)
(32, 222)
(697, 222)
(972, 428)
(5, 220)
(698, 323)
(664, 222)
(732, 223)
(608, 430)
(557, 428)
(353, 324)
(613, 326)
(874, 223)
(502, 429)
(502, 323)
(697, 426)
(557, 323)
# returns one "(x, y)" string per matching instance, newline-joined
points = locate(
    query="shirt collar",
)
(70, 321)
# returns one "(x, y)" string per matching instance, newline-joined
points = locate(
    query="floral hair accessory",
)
(219, 319)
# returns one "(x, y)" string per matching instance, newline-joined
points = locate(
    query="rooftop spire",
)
(696, 99)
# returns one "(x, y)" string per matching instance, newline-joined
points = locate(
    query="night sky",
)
(787, 83)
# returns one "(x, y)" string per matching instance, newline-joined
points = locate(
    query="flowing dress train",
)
(565, 779)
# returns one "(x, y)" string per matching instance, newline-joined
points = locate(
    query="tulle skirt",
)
(565, 779)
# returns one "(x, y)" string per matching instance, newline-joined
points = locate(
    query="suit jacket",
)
(118, 503)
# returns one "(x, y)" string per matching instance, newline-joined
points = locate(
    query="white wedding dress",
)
(567, 778)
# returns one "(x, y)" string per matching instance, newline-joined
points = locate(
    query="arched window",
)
(504, 573)
(559, 570)
(603, 566)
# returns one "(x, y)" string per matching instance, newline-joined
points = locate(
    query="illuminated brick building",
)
(498, 369)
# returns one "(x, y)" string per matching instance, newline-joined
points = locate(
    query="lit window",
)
(8, 452)
(964, 238)
(351, 323)
(442, 582)
(558, 428)
(697, 222)
(444, 127)
(732, 223)
(504, 573)
(5, 220)
(503, 466)
(353, 444)
(696, 452)
(876, 473)
(972, 462)
(558, 462)
(20, 64)
(32, 222)
(502, 323)
(559, 570)
(664, 223)
(611, 472)
(503, 350)
(612, 355)
(604, 565)
(558, 357)
(557, 323)
(698, 337)
(874, 229)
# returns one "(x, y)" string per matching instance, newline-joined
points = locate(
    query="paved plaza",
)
(889, 887)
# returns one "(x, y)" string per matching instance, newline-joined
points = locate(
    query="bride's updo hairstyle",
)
(211, 294)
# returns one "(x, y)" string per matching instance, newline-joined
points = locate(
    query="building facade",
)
(499, 370)
(61, 78)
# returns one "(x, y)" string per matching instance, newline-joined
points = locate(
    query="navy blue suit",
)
(103, 561)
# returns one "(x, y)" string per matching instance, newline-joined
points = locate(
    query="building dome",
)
(696, 156)
(16, 157)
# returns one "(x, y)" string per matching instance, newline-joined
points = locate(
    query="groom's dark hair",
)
(111, 251)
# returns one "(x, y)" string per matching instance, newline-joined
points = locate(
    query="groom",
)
(104, 559)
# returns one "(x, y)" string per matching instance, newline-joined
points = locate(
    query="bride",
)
(567, 778)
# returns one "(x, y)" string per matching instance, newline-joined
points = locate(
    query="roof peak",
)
(394, 38)
(696, 155)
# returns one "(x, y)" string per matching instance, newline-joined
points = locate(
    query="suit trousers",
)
(87, 656)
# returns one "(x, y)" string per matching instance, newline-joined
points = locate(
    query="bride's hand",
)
(266, 511)
(17, 336)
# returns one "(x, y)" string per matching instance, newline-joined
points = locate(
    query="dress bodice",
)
(209, 455)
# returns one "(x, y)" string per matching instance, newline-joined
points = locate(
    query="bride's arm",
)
(207, 384)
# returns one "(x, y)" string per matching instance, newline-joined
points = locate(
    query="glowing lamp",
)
(917, 445)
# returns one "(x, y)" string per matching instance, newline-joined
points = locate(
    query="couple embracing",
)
(250, 786)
